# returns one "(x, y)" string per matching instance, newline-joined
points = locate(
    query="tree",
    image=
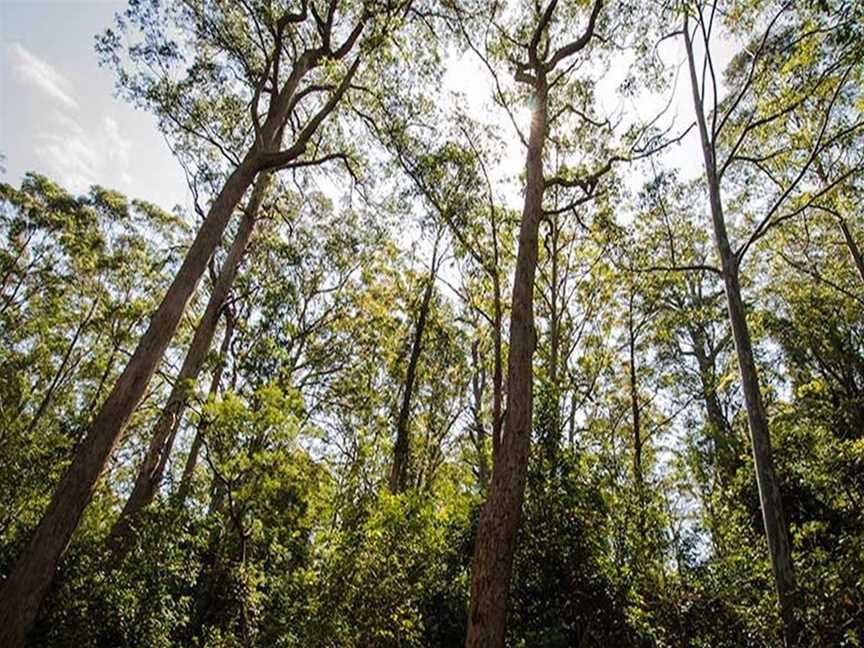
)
(164, 431)
(271, 76)
(736, 123)
(370, 457)
(402, 447)
(80, 274)
(496, 534)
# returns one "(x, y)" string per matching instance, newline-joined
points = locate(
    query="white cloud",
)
(78, 148)
(80, 156)
(119, 146)
(29, 68)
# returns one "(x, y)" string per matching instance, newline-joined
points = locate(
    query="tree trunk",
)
(638, 438)
(553, 440)
(854, 250)
(61, 370)
(776, 531)
(197, 442)
(497, 368)
(32, 574)
(162, 439)
(773, 518)
(402, 448)
(725, 451)
(478, 387)
(502, 512)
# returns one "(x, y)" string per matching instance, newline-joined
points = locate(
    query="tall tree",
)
(399, 474)
(730, 137)
(294, 46)
(80, 273)
(215, 380)
(499, 520)
(165, 429)
(769, 491)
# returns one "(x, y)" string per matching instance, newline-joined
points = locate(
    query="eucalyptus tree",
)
(573, 271)
(185, 486)
(692, 343)
(454, 180)
(823, 136)
(450, 183)
(327, 286)
(165, 429)
(809, 304)
(771, 82)
(281, 72)
(79, 275)
(816, 317)
(441, 401)
(399, 473)
(554, 69)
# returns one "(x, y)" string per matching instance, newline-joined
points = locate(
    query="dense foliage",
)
(371, 308)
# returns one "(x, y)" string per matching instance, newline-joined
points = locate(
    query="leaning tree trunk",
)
(502, 512)
(31, 576)
(773, 518)
(198, 441)
(776, 530)
(162, 439)
(402, 448)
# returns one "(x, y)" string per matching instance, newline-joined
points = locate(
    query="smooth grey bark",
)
(152, 468)
(776, 529)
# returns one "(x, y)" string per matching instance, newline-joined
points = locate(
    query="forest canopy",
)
(487, 324)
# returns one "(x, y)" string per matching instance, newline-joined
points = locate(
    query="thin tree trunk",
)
(854, 250)
(49, 394)
(497, 368)
(162, 438)
(724, 447)
(197, 442)
(32, 574)
(553, 441)
(776, 530)
(478, 387)
(638, 439)
(402, 448)
(502, 512)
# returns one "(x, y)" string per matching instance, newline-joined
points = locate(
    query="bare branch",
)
(580, 43)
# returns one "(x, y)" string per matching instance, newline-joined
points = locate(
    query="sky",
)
(58, 112)
(59, 115)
